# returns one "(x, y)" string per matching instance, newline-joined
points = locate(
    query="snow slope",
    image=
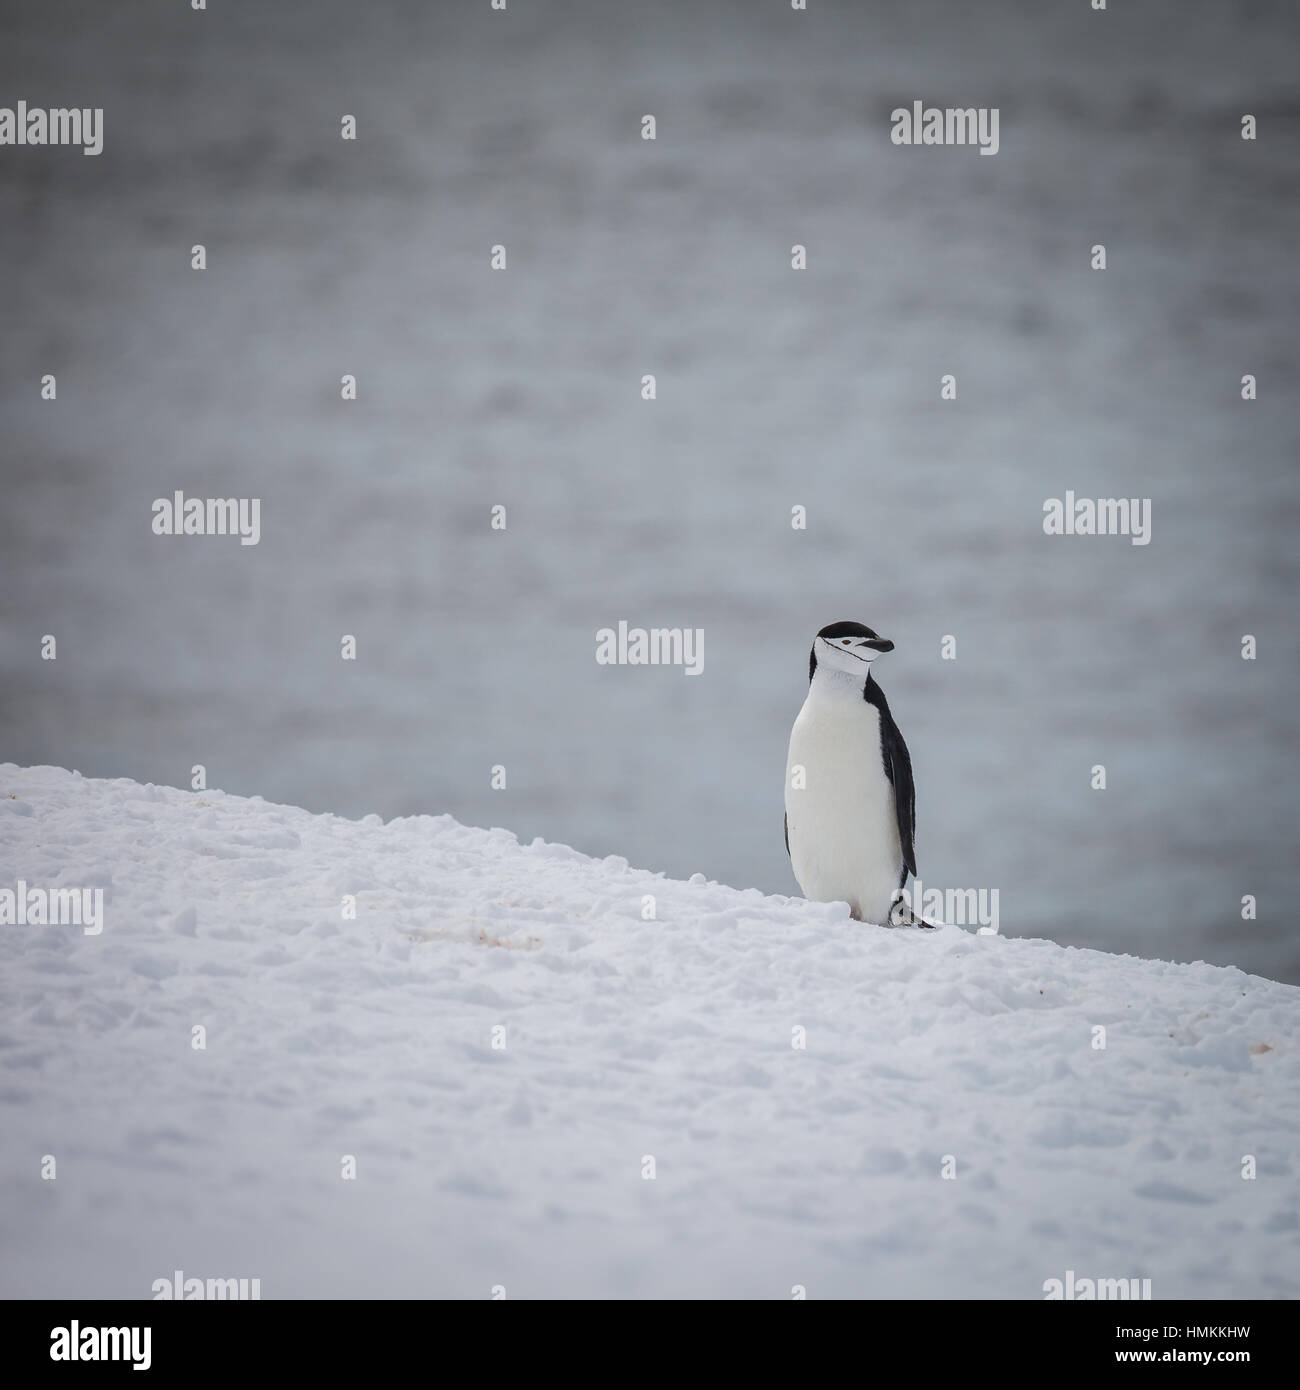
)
(522, 1167)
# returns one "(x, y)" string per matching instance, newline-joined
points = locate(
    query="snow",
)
(480, 1166)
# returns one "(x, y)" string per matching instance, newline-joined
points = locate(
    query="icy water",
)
(776, 389)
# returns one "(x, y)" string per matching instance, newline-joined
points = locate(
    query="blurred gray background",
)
(776, 388)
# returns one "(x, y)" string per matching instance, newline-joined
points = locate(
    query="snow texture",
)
(522, 1166)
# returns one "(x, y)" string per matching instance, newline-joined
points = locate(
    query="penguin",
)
(850, 806)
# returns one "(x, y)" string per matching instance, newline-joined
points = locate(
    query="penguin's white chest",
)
(839, 804)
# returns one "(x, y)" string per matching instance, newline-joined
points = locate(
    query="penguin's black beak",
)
(879, 644)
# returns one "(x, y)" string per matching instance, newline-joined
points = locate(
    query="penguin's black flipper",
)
(898, 768)
(786, 820)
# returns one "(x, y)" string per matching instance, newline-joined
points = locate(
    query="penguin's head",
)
(847, 647)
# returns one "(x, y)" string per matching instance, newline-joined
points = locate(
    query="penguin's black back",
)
(898, 768)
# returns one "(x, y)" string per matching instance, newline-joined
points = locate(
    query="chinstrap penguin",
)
(850, 812)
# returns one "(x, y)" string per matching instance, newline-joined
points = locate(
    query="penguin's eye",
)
(846, 641)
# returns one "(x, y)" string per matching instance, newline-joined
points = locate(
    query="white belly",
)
(843, 827)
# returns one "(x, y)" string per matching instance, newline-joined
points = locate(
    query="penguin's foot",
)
(900, 915)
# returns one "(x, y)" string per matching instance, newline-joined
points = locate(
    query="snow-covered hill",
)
(502, 1038)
